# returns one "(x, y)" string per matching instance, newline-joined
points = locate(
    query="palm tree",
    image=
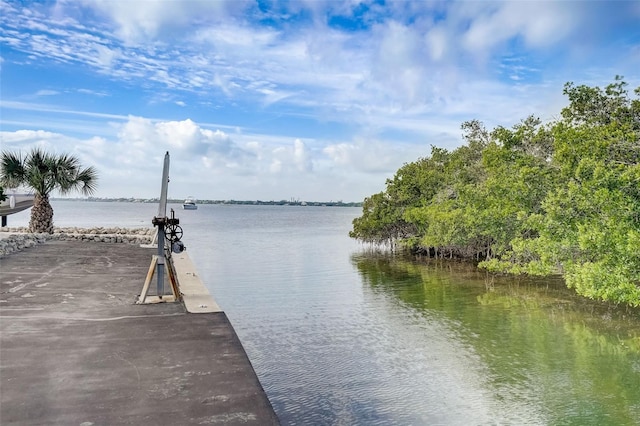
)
(44, 173)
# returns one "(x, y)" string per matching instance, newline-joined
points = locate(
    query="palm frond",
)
(65, 172)
(88, 180)
(45, 172)
(12, 169)
(39, 166)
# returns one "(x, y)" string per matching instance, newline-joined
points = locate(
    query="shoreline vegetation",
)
(292, 202)
(536, 199)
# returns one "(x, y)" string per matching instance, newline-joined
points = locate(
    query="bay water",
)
(340, 334)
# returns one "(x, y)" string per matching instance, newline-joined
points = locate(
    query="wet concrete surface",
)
(76, 350)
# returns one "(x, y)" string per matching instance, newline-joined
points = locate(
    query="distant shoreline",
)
(226, 202)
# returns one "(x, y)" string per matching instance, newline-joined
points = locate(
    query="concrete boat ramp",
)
(76, 350)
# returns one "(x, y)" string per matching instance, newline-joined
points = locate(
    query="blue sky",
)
(269, 100)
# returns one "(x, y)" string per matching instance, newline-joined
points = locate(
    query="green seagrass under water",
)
(577, 360)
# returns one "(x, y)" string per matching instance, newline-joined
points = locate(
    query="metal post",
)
(162, 220)
(168, 239)
(160, 261)
(162, 206)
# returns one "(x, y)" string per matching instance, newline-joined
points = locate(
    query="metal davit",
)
(169, 234)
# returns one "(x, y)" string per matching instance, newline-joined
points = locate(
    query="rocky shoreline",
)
(16, 239)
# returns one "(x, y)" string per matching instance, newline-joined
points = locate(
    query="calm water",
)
(340, 335)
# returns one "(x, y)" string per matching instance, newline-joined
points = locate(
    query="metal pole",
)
(160, 261)
(162, 207)
(162, 215)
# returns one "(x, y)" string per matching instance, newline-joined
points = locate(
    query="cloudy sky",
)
(313, 99)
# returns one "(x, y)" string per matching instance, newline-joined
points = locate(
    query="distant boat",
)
(15, 202)
(189, 204)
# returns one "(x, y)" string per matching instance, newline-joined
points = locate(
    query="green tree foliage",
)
(561, 197)
(44, 173)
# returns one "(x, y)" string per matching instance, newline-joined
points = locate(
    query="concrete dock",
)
(76, 350)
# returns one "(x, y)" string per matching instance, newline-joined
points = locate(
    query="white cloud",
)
(137, 21)
(301, 156)
(404, 76)
(375, 157)
(92, 92)
(538, 26)
(437, 43)
(400, 63)
(46, 92)
(232, 39)
(289, 159)
(104, 57)
(141, 136)
(20, 138)
(214, 164)
(182, 135)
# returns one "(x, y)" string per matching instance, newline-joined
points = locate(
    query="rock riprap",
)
(16, 239)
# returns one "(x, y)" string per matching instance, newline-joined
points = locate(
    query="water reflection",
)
(371, 340)
(559, 359)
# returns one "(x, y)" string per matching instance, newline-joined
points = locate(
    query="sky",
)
(315, 100)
